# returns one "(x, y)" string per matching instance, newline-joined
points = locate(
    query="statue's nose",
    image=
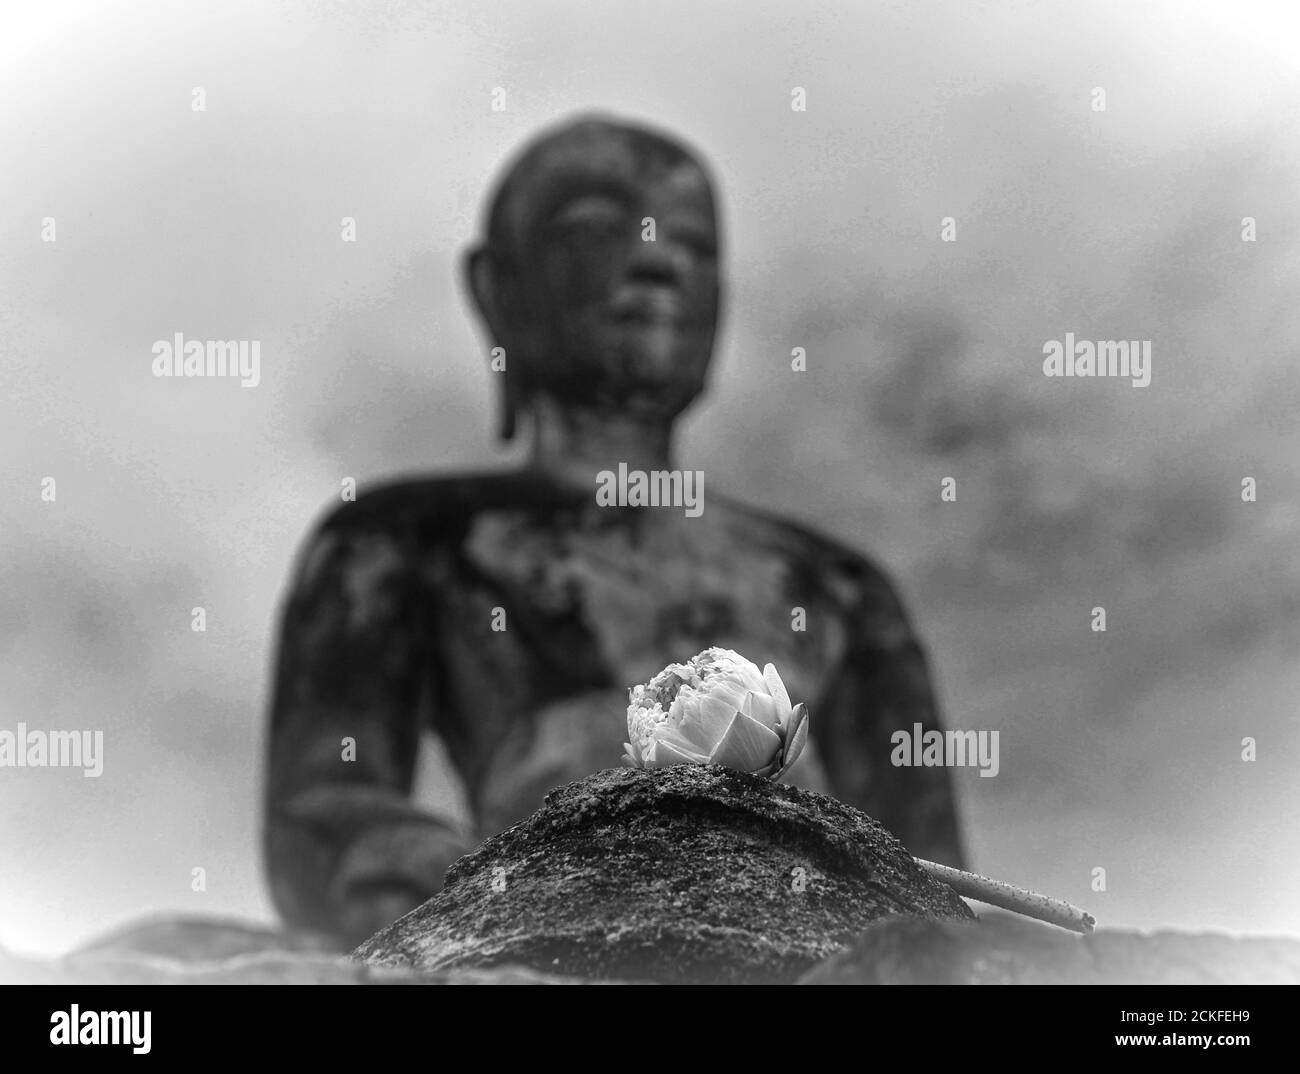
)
(659, 261)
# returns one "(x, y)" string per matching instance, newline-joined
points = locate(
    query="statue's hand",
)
(566, 740)
(369, 908)
(388, 871)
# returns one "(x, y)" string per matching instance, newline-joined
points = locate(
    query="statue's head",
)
(588, 309)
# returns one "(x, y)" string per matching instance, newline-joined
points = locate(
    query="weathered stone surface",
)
(1002, 949)
(997, 949)
(184, 949)
(268, 967)
(687, 874)
(187, 938)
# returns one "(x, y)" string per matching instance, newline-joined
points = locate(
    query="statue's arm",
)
(346, 852)
(884, 686)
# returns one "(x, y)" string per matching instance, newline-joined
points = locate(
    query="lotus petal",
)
(747, 745)
(701, 721)
(776, 687)
(663, 754)
(670, 734)
(764, 709)
(716, 712)
(798, 738)
(734, 666)
(727, 690)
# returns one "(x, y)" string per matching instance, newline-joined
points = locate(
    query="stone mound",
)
(683, 875)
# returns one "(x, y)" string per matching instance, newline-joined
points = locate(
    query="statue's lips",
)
(649, 307)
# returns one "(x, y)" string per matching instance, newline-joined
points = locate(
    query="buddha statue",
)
(509, 612)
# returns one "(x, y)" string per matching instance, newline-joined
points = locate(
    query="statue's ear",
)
(509, 407)
(484, 275)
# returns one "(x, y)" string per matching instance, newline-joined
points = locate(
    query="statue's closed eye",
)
(593, 213)
(698, 237)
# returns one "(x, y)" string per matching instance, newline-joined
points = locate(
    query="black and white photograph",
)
(722, 493)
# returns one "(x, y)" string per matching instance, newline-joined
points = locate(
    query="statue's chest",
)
(651, 594)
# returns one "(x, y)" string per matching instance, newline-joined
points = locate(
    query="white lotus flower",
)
(716, 709)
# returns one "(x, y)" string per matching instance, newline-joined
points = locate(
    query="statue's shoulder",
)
(852, 579)
(391, 522)
(431, 504)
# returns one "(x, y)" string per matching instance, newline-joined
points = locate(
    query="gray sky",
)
(1119, 750)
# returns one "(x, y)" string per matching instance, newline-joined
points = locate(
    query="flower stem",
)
(1008, 897)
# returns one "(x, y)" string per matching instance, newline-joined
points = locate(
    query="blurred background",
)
(1119, 750)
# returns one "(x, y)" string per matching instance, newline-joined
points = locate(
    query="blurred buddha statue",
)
(509, 612)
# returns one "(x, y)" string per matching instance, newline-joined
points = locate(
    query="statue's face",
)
(601, 314)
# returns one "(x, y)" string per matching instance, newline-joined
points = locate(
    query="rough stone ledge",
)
(1004, 949)
(681, 875)
(690, 874)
